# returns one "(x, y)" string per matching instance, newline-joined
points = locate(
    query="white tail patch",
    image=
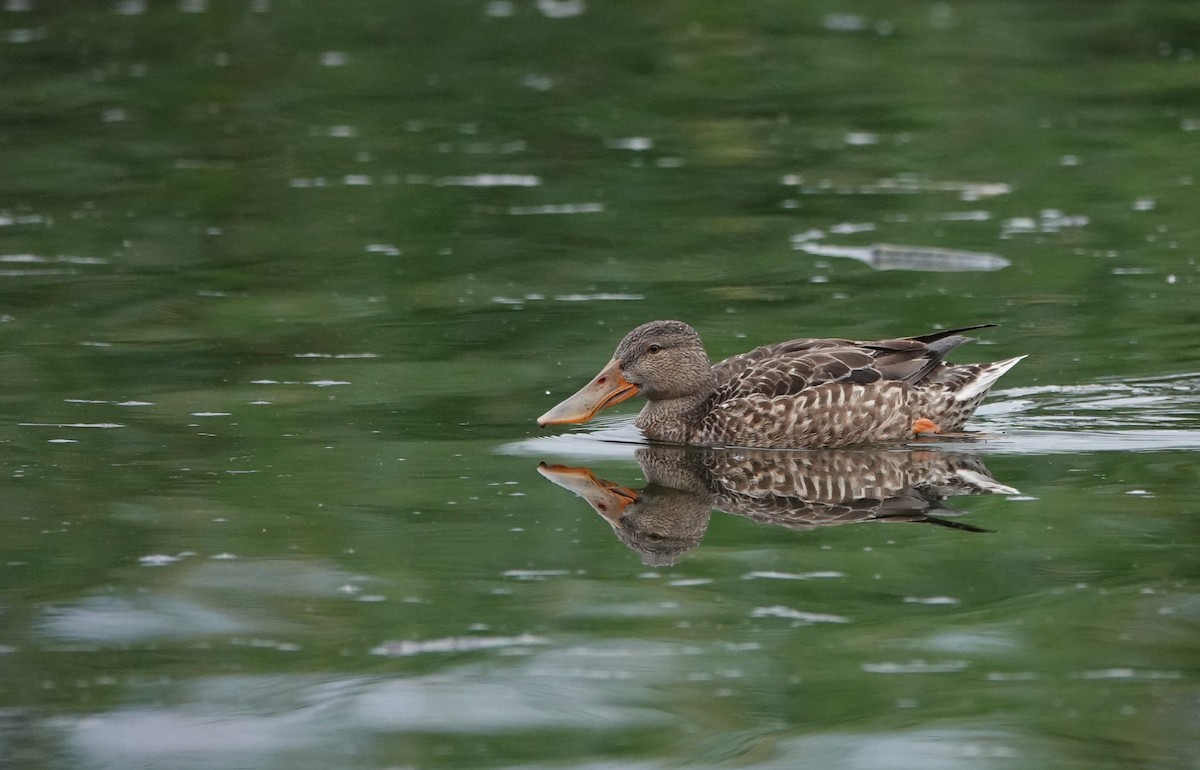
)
(986, 378)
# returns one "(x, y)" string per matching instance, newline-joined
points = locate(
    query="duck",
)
(799, 394)
(799, 491)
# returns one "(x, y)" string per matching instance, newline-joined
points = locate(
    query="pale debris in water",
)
(104, 425)
(771, 575)
(535, 574)
(491, 180)
(844, 22)
(557, 208)
(904, 184)
(537, 82)
(561, 9)
(338, 356)
(1048, 221)
(157, 560)
(779, 611)
(499, 9)
(860, 138)
(131, 7)
(882, 256)
(407, 647)
(317, 383)
(1129, 673)
(915, 667)
(635, 143)
(598, 297)
(961, 216)
(850, 228)
(8, 219)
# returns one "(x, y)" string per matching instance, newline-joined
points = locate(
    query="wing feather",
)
(791, 368)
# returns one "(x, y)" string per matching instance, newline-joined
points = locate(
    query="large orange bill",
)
(606, 388)
(606, 498)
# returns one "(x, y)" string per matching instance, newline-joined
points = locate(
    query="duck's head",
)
(661, 360)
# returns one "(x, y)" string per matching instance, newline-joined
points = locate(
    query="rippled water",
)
(284, 286)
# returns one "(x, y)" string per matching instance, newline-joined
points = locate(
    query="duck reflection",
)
(797, 490)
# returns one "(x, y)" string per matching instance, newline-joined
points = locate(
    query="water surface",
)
(284, 285)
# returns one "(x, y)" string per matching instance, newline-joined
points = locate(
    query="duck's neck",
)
(674, 420)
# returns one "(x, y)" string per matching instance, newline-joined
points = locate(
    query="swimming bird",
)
(805, 393)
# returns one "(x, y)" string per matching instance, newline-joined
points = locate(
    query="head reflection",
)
(797, 490)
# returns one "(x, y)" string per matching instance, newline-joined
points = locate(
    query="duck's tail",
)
(985, 378)
(955, 392)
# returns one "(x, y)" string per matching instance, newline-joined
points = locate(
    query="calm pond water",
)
(285, 284)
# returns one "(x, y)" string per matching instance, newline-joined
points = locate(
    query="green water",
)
(284, 285)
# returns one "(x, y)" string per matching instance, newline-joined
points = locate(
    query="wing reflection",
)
(797, 490)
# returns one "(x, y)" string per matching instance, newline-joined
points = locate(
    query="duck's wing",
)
(787, 371)
(789, 368)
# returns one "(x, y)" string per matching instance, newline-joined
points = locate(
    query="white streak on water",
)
(598, 297)
(491, 180)
(317, 383)
(1128, 674)
(915, 667)
(769, 575)
(635, 143)
(561, 9)
(103, 425)
(407, 647)
(558, 208)
(535, 574)
(779, 611)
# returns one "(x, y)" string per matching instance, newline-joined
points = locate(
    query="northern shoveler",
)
(804, 393)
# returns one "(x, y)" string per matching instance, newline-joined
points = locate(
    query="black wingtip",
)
(935, 336)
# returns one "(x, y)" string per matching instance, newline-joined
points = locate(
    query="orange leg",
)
(925, 425)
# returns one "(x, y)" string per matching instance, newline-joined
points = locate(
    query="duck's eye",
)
(654, 348)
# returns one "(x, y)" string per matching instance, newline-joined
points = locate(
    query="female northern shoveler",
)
(797, 394)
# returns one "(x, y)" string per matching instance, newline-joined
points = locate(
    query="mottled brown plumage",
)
(794, 490)
(803, 393)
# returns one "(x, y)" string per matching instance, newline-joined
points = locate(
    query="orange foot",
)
(925, 425)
